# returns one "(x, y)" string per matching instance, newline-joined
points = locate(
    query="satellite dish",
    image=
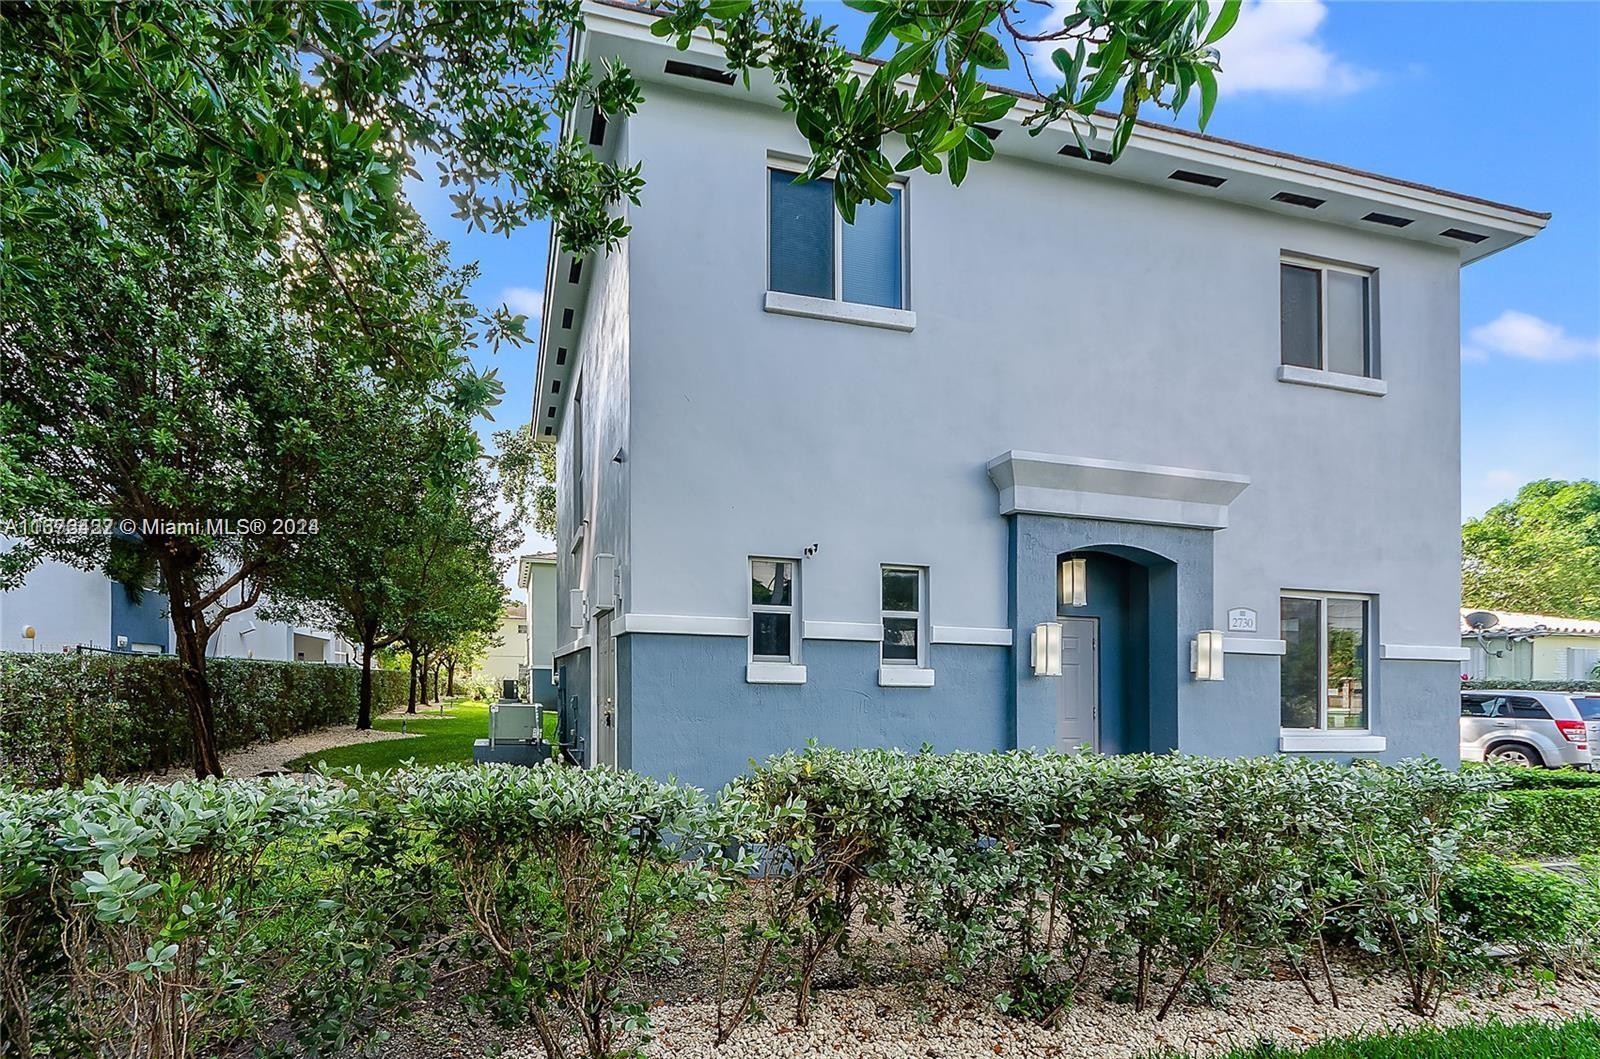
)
(1480, 620)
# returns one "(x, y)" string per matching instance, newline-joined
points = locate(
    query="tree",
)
(449, 575)
(525, 465)
(1539, 552)
(929, 93)
(347, 576)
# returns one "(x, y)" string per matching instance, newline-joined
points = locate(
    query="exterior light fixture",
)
(1205, 655)
(1074, 583)
(1047, 649)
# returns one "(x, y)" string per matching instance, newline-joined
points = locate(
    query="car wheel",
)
(1516, 754)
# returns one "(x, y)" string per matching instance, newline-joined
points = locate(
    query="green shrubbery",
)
(1533, 685)
(67, 717)
(298, 914)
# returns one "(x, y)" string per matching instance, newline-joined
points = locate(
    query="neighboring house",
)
(502, 666)
(68, 608)
(536, 576)
(1519, 647)
(878, 484)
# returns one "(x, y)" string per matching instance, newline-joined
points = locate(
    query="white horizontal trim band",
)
(1329, 743)
(1332, 380)
(839, 311)
(1253, 645)
(683, 624)
(957, 634)
(904, 677)
(843, 630)
(774, 673)
(1424, 653)
(573, 645)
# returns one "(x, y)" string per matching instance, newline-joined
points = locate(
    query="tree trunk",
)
(369, 632)
(191, 637)
(450, 681)
(422, 680)
(411, 689)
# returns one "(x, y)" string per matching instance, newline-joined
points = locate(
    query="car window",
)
(1588, 706)
(1527, 709)
(1482, 705)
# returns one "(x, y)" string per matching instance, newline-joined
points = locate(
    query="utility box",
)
(516, 736)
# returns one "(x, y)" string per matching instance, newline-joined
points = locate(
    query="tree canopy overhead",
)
(1538, 552)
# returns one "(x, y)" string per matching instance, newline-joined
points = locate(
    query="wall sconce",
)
(1205, 655)
(1074, 583)
(1047, 649)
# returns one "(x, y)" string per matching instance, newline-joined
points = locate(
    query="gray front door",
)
(1078, 701)
(605, 691)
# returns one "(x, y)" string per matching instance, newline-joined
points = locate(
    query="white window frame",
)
(856, 312)
(792, 609)
(1322, 730)
(920, 616)
(1322, 267)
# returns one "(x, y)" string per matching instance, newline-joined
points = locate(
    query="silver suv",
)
(1547, 728)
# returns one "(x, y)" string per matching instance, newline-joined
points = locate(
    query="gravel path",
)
(929, 1020)
(268, 758)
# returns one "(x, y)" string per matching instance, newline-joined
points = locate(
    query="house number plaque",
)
(1241, 619)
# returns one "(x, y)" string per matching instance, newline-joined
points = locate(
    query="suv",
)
(1547, 728)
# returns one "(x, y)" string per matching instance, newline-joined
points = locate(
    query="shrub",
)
(65, 718)
(1518, 777)
(1538, 914)
(1551, 822)
(163, 901)
(1592, 686)
(571, 880)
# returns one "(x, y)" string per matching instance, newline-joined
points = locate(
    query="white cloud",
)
(1519, 334)
(524, 300)
(1274, 48)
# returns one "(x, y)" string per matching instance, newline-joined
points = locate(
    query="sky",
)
(1497, 100)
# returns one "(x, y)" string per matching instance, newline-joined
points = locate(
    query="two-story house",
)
(1146, 456)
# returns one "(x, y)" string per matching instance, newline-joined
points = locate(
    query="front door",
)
(1078, 701)
(605, 691)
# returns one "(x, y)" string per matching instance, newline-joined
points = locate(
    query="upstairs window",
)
(772, 624)
(904, 642)
(812, 252)
(1326, 317)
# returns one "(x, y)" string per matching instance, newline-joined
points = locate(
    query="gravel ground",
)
(930, 1019)
(265, 759)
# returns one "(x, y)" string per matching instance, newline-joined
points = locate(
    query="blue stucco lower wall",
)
(1416, 707)
(572, 702)
(688, 713)
(543, 688)
(144, 622)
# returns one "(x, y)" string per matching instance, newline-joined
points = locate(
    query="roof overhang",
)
(525, 565)
(1249, 176)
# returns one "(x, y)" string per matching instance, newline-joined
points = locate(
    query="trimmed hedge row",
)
(1532, 685)
(149, 913)
(1553, 822)
(67, 717)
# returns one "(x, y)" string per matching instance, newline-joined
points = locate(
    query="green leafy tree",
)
(348, 576)
(525, 465)
(1539, 552)
(930, 95)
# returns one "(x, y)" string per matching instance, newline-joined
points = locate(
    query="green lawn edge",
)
(441, 737)
(1577, 1039)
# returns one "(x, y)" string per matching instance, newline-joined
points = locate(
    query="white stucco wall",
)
(544, 636)
(66, 606)
(1056, 311)
(603, 348)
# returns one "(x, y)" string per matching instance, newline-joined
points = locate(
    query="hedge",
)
(241, 912)
(66, 717)
(1588, 686)
(1552, 822)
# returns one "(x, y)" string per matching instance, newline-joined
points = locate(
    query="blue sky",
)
(1499, 100)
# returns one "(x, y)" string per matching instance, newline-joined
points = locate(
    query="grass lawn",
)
(1523, 1040)
(443, 738)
